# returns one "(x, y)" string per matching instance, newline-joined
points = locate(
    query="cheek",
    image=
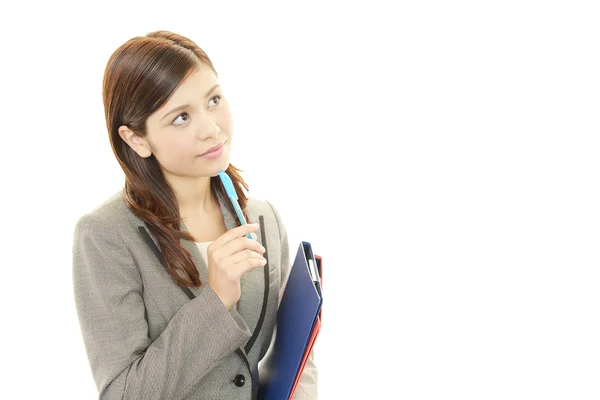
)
(225, 121)
(175, 147)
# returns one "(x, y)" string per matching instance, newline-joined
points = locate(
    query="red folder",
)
(315, 331)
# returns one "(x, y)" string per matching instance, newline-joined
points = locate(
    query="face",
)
(194, 120)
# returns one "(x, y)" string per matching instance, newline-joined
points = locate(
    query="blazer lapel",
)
(250, 306)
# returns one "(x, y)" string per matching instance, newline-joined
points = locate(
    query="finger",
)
(249, 265)
(240, 244)
(235, 233)
(244, 255)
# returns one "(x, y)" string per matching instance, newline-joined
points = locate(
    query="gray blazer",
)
(148, 338)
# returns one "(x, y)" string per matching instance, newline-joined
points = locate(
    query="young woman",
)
(174, 302)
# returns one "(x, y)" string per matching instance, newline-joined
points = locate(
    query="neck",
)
(193, 195)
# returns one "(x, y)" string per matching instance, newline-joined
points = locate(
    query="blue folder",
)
(298, 311)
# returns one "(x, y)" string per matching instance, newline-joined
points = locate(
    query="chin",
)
(221, 166)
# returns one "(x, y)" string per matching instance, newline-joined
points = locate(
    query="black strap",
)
(263, 311)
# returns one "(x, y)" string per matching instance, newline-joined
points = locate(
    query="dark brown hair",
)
(140, 77)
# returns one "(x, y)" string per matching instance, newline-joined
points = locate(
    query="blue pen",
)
(234, 199)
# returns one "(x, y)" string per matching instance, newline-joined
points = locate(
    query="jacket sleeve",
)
(125, 363)
(307, 386)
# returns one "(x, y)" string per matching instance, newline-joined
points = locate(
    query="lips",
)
(213, 149)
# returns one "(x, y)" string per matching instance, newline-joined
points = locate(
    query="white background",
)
(443, 158)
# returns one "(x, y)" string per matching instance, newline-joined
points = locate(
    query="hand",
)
(229, 257)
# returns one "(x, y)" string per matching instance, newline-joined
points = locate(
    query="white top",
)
(203, 247)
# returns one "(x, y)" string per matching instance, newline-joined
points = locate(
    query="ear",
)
(137, 143)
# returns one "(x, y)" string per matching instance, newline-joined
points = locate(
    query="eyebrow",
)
(181, 107)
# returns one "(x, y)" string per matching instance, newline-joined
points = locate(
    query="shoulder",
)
(110, 214)
(258, 206)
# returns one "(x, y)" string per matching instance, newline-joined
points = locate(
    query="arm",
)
(125, 363)
(307, 386)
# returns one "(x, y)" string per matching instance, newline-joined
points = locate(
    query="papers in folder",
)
(298, 324)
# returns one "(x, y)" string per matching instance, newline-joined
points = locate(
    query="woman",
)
(174, 302)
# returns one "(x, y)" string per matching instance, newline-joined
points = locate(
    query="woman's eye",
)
(183, 113)
(215, 97)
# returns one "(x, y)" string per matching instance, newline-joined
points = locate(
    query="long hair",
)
(140, 77)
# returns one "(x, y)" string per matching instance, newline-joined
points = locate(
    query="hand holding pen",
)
(229, 257)
(232, 254)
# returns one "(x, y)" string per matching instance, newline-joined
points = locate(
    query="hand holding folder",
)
(298, 325)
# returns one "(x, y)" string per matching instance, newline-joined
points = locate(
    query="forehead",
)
(193, 88)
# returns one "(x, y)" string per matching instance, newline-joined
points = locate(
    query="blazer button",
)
(239, 380)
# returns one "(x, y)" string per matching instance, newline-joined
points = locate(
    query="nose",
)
(208, 129)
